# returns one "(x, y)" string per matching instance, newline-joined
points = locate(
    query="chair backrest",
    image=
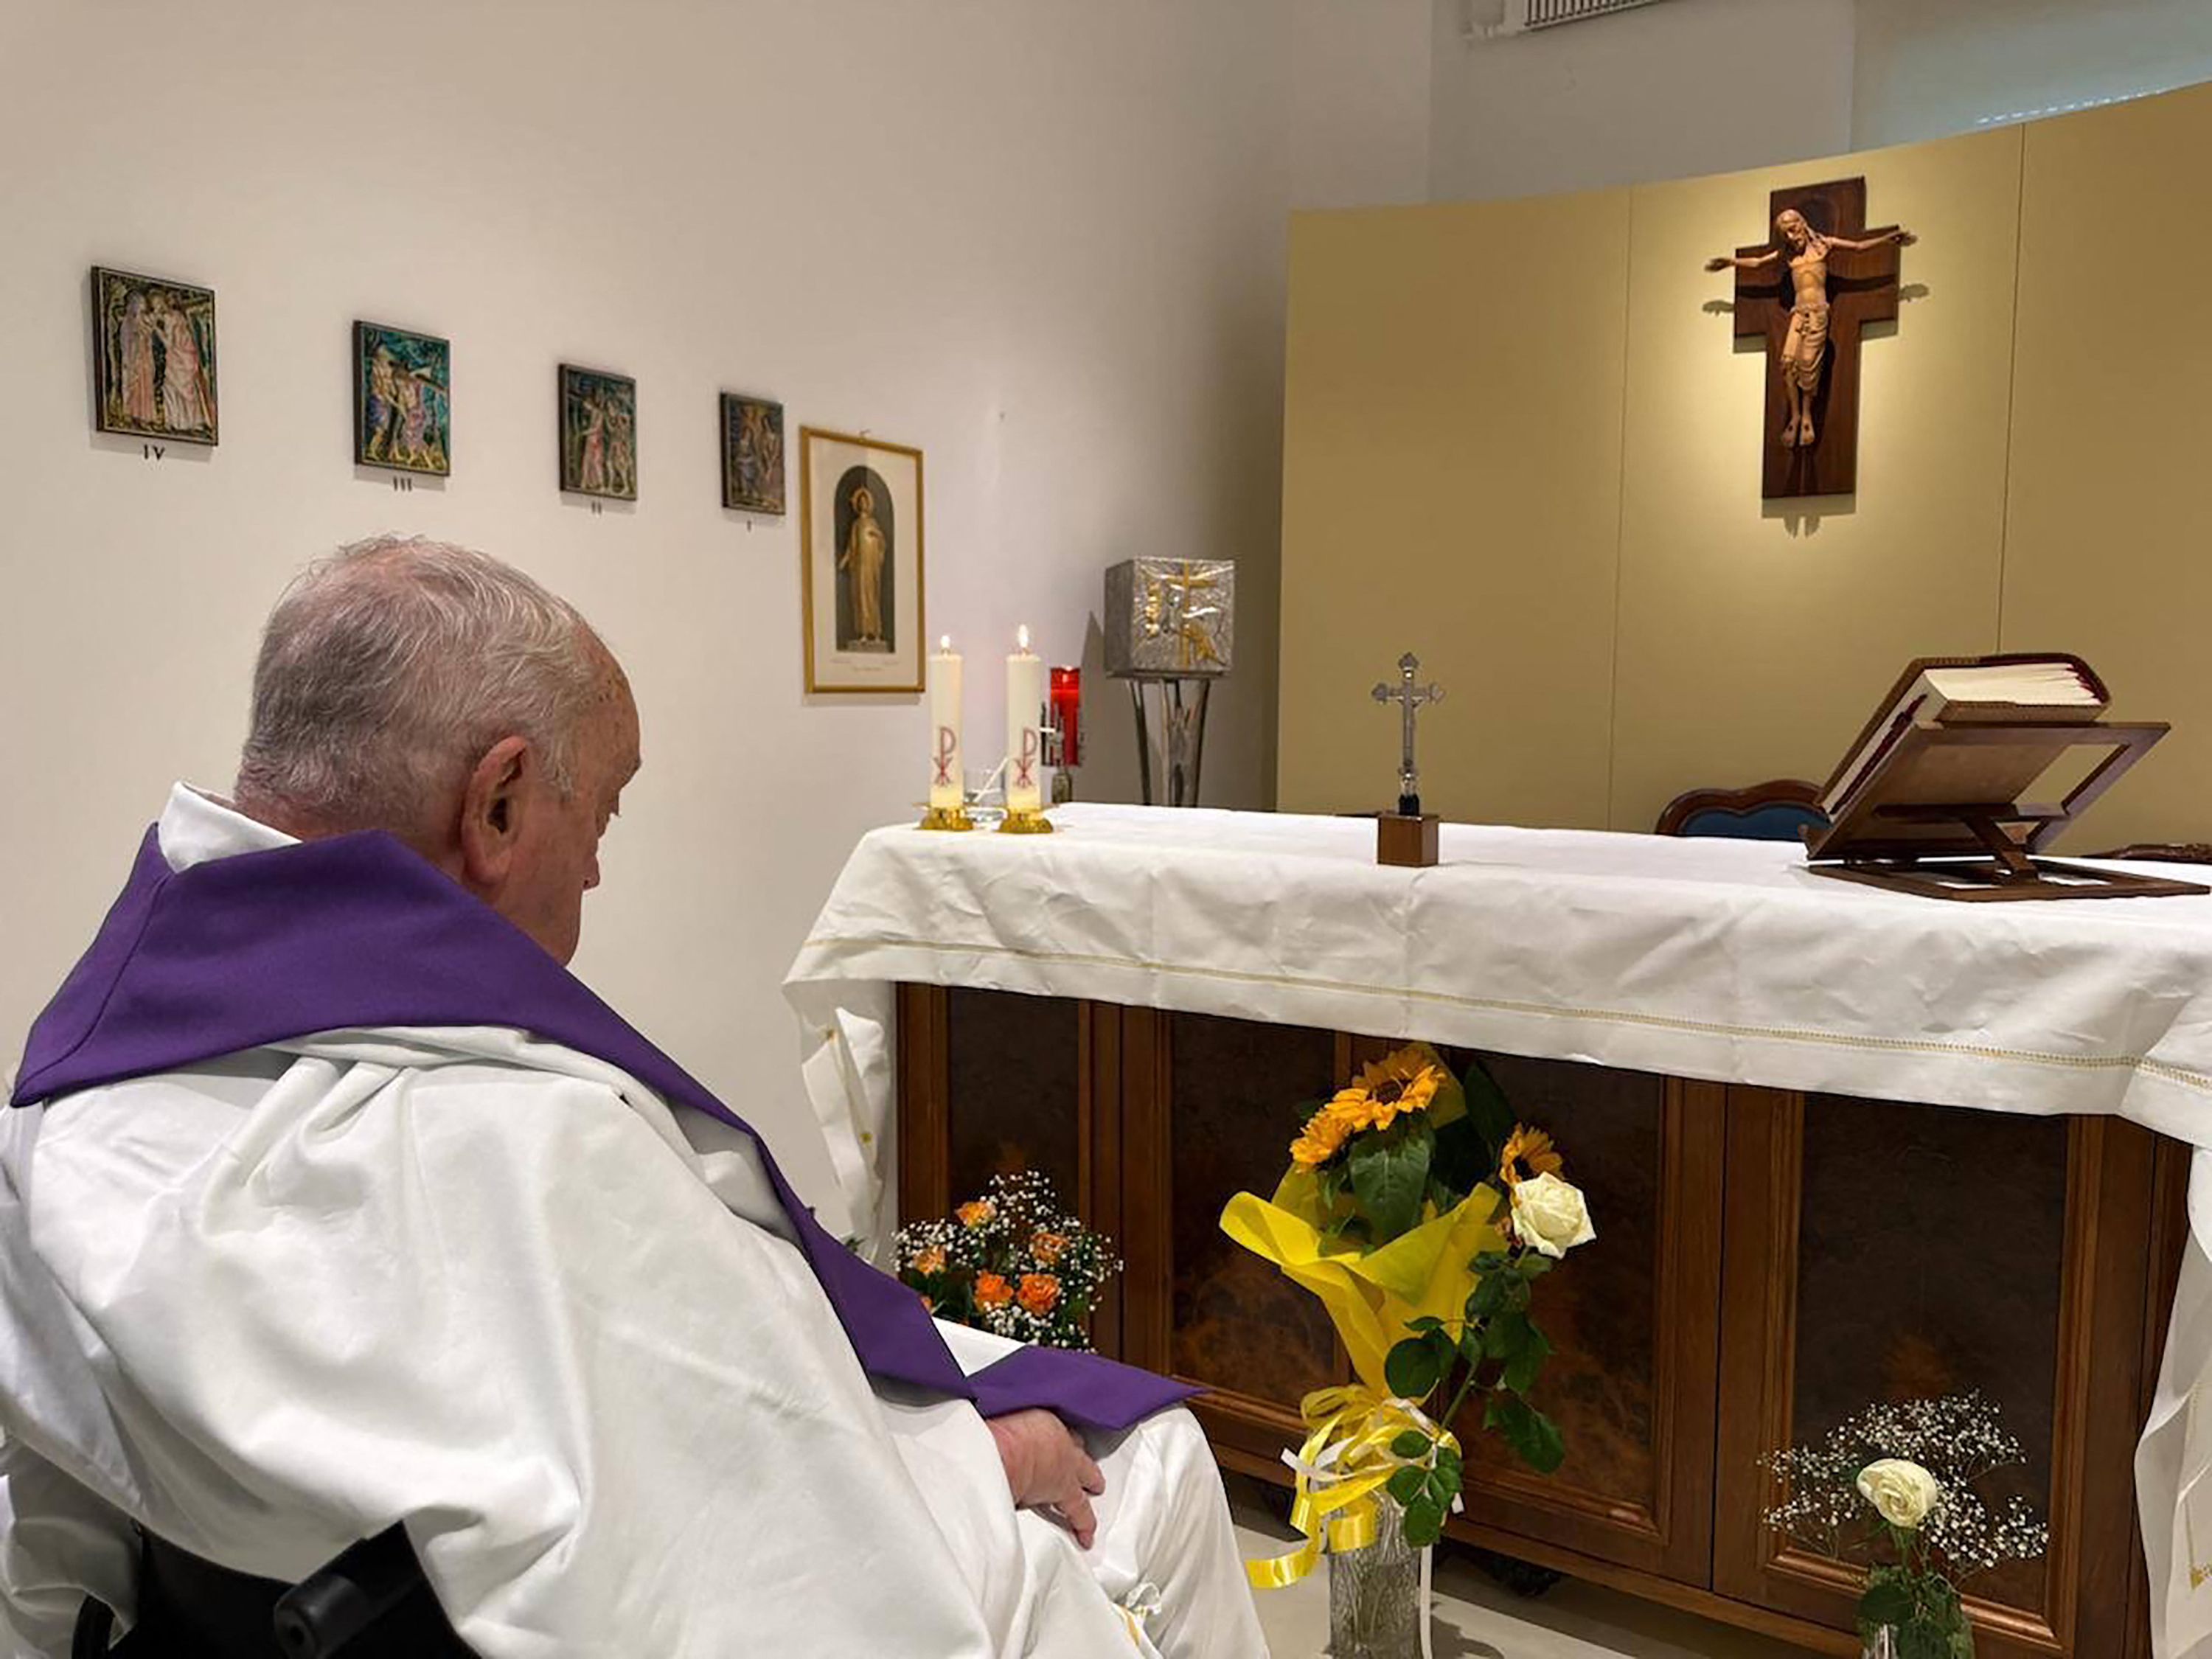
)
(1781, 809)
(2160, 851)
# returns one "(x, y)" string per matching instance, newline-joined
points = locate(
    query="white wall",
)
(1040, 238)
(1925, 70)
(1686, 87)
(1359, 127)
(1691, 87)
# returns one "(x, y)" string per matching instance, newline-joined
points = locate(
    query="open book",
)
(2013, 689)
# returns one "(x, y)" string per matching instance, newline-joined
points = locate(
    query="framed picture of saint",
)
(153, 357)
(859, 511)
(599, 433)
(403, 400)
(752, 454)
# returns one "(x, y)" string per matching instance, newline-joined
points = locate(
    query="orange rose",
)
(975, 1212)
(931, 1260)
(991, 1290)
(1047, 1246)
(1039, 1291)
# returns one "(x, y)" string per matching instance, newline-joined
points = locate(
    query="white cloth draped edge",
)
(1709, 959)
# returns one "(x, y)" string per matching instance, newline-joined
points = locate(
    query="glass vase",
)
(1957, 1643)
(1375, 1602)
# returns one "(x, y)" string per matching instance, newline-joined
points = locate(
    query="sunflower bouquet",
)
(1422, 1215)
(1011, 1261)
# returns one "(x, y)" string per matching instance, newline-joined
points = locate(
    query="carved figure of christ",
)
(1809, 292)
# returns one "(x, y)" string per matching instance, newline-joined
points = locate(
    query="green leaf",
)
(1506, 1335)
(1406, 1485)
(1470, 1346)
(1524, 1367)
(1488, 1296)
(1451, 1466)
(1426, 1323)
(1491, 1262)
(1887, 1600)
(1424, 1523)
(1411, 1368)
(1486, 1108)
(1534, 1436)
(1533, 1264)
(1443, 1487)
(1390, 1174)
(1410, 1443)
(1462, 1160)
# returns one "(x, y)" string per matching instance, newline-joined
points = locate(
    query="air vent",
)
(1491, 19)
(1543, 13)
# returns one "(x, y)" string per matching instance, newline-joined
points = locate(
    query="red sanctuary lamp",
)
(1064, 741)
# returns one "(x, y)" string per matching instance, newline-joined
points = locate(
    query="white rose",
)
(1549, 1216)
(1903, 1492)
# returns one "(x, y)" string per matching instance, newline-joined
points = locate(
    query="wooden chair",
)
(1777, 810)
(2160, 851)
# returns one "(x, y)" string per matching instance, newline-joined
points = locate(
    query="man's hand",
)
(1048, 1469)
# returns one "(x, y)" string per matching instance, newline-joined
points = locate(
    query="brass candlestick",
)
(947, 817)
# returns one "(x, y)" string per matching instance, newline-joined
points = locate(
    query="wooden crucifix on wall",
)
(1809, 292)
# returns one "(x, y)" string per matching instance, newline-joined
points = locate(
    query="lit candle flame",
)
(944, 642)
(1022, 636)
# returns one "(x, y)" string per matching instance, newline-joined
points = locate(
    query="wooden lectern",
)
(1941, 810)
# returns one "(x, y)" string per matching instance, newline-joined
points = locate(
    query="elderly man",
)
(335, 1201)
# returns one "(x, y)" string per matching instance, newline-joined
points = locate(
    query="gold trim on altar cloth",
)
(2143, 1064)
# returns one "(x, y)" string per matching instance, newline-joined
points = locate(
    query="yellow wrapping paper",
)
(1371, 1298)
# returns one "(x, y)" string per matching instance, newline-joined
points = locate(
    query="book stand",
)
(1923, 822)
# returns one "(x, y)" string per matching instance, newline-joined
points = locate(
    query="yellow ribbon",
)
(1346, 1459)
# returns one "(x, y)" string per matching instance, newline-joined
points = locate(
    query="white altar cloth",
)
(1715, 959)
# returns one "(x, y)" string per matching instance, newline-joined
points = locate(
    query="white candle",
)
(945, 773)
(1025, 746)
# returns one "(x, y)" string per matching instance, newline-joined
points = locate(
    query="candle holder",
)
(947, 817)
(1062, 739)
(1025, 821)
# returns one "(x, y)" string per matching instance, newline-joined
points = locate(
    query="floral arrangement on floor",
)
(1894, 1487)
(1422, 1215)
(1011, 1262)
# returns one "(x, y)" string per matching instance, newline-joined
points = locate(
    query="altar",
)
(1842, 1145)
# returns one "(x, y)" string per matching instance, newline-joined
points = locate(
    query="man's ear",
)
(492, 810)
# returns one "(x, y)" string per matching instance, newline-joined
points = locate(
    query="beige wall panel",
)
(1754, 637)
(1451, 488)
(2107, 540)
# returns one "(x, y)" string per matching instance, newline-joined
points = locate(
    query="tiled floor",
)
(1476, 1619)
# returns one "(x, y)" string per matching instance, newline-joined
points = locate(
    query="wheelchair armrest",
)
(348, 1596)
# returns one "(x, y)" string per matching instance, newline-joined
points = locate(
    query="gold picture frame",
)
(860, 563)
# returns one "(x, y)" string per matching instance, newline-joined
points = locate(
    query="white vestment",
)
(496, 1289)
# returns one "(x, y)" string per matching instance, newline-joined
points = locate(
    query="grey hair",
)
(388, 669)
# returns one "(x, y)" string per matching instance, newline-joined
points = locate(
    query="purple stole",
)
(357, 931)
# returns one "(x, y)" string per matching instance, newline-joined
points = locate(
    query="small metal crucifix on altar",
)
(1807, 293)
(1408, 835)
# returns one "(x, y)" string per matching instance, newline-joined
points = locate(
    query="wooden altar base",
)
(1766, 1262)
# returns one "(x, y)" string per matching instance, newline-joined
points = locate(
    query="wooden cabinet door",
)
(1633, 1316)
(991, 1083)
(1879, 1251)
(1210, 1108)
